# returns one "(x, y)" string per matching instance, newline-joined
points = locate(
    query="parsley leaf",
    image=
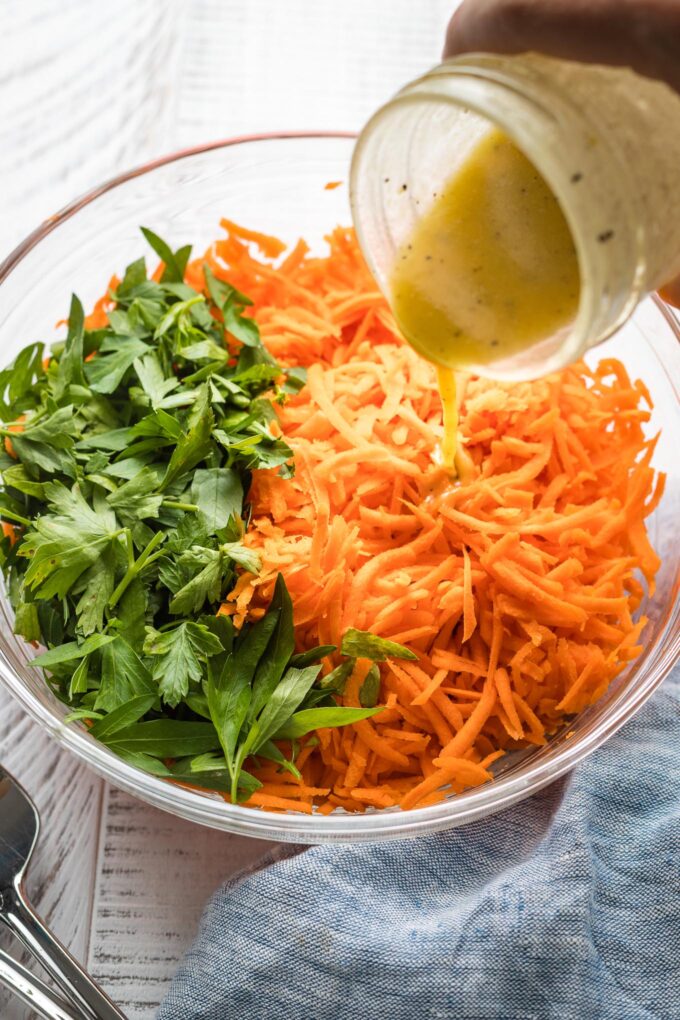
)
(125, 715)
(46, 443)
(179, 655)
(137, 498)
(174, 262)
(18, 381)
(279, 649)
(99, 584)
(310, 719)
(70, 368)
(115, 356)
(361, 644)
(165, 738)
(71, 650)
(64, 545)
(194, 443)
(208, 569)
(218, 494)
(123, 676)
(370, 688)
(155, 383)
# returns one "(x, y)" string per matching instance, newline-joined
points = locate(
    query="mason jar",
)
(605, 140)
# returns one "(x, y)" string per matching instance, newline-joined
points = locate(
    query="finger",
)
(670, 292)
(644, 36)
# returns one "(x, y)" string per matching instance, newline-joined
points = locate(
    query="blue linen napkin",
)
(564, 906)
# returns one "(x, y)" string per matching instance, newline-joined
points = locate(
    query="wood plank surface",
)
(154, 875)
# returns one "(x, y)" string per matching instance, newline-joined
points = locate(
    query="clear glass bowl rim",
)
(338, 827)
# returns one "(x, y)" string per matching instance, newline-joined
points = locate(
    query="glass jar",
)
(606, 141)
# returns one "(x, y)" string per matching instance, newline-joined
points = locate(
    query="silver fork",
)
(39, 996)
(19, 828)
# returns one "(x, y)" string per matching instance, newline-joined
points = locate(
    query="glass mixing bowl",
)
(276, 183)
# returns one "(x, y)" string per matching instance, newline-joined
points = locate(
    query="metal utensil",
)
(19, 828)
(39, 996)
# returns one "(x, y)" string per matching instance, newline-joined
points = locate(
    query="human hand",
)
(642, 34)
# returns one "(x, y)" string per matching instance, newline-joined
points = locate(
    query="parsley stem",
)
(12, 428)
(202, 373)
(173, 505)
(135, 567)
(11, 516)
(130, 548)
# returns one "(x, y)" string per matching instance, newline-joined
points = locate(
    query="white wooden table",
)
(88, 88)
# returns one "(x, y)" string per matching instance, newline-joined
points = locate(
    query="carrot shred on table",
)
(518, 588)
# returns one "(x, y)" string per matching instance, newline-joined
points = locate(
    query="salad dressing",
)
(446, 380)
(489, 270)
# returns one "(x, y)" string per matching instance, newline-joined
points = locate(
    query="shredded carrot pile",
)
(517, 588)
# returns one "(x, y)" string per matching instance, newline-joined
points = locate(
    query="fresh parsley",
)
(127, 457)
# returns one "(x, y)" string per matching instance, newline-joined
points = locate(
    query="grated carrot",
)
(516, 588)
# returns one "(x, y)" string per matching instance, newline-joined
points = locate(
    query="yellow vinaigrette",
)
(489, 270)
(446, 379)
